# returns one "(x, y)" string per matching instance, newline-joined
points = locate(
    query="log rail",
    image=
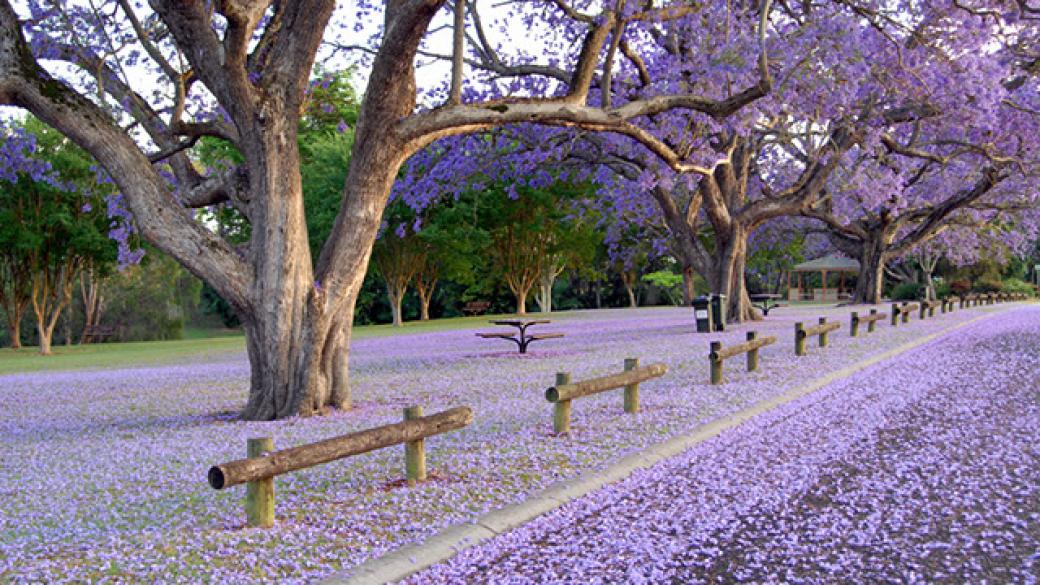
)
(263, 464)
(564, 391)
(750, 347)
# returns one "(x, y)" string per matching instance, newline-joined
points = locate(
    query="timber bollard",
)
(873, 322)
(904, 313)
(716, 362)
(895, 315)
(260, 492)
(799, 339)
(631, 390)
(414, 451)
(854, 325)
(824, 334)
(752, 354)
(562, 408)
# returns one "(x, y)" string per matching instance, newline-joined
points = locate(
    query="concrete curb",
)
(413, 558)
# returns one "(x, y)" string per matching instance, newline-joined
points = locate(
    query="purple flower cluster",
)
(102, 473)
(921, 469)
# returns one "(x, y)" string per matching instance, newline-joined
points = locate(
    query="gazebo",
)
(825, 265)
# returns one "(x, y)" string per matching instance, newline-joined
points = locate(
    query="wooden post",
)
(562, 409)
(854, 325)
(923, 310)
(931, 310)
(895, 315)
(414, 451)
(871, 325)
(716, 363)
(631, 390)
(752, 356)
(905, 314)
(260, 493)
(799, 339)
(823, 336)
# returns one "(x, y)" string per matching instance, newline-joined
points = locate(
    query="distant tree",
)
(62, 227)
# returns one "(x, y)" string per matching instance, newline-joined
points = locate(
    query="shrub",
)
(907, 291)
(988, 285)
(943, 290)
(960, 287)
(1017, 285)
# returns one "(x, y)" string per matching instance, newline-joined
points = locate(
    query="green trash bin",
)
(702, 312)
(718, 312)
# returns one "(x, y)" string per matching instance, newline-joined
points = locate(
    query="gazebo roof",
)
(828, 263)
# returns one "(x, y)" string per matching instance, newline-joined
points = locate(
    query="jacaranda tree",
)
(137, 87)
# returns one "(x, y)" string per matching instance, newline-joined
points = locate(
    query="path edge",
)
(412, 558)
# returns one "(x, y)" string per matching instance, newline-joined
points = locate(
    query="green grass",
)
(198, 343)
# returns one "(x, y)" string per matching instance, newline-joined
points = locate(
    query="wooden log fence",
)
(262, 463)
(928, 308)
(871, 321)
(565, 391)
(750, 347)
(822, 330)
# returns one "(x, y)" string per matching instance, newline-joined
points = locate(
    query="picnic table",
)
(765, 302)
(521, 338)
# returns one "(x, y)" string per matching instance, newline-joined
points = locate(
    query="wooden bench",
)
(475, 308)
(96, 333)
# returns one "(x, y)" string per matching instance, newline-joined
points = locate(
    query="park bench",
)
(765, 303)
(96, 333)
(871, 321)
(475, 308)
(564, 391)
(263, 463)
(823, 329)
(522, 339)
(750, 347)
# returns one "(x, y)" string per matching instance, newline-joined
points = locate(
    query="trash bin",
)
(718, 312)
(702, 311)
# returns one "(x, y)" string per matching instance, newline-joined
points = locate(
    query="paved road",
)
(925, 468)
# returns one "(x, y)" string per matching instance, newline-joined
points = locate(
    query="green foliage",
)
(150, 301)
(668, 282)
(1017, 285)
(943, 290)
(907, 291)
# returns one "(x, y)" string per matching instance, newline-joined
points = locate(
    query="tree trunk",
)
(544, 296)
(14, 327)
(730, 279)
(396, 296)
(425, 296)
(298, 348)
(521, 301)
(45, 334)
(688, 290)
(871, 276)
